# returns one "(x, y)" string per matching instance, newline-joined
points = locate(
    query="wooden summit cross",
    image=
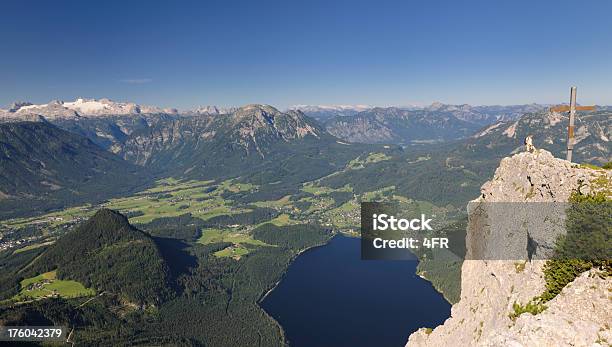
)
(572, 108)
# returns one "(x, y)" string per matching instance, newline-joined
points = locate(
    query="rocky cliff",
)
(493, 285)
(252, 129)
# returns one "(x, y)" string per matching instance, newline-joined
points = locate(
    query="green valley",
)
(185, 256)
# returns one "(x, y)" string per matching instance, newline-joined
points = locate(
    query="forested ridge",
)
(44, 167)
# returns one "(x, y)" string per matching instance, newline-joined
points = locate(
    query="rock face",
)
(212, 110)
(579, 316)
(252, 129)
(537, 177)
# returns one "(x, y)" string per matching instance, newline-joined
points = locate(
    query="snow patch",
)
(86, 106)
(31, 107)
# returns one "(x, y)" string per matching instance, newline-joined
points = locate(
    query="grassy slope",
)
(63, 288)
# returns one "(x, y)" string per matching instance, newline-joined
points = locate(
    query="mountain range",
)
(94, 149)
(395, 125)
(250, 140)
(322, 113)
(80, 107)
(476, 114)
(352, 123)
(87, 158)
(437, 122)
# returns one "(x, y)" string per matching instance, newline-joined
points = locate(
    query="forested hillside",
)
(108, 254)
(211, 298)
(43, 166)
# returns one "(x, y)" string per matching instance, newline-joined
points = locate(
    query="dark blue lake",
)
(330, 297)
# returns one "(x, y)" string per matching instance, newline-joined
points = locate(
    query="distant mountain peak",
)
(17, 105)
(257, 115)
(323, 113)
(257, 107)
(81, 107)
(435, 105)
(254, 118)
(305, 108)
(213, 110)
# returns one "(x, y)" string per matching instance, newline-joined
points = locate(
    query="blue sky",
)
(188, 53)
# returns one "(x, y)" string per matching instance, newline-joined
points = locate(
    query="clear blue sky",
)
(183, 53)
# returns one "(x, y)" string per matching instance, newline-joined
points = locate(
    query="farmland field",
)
(47, 284)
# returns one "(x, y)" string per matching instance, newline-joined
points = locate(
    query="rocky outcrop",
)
(579, 316)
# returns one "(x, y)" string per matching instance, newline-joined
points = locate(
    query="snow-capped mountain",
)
(80, 108)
